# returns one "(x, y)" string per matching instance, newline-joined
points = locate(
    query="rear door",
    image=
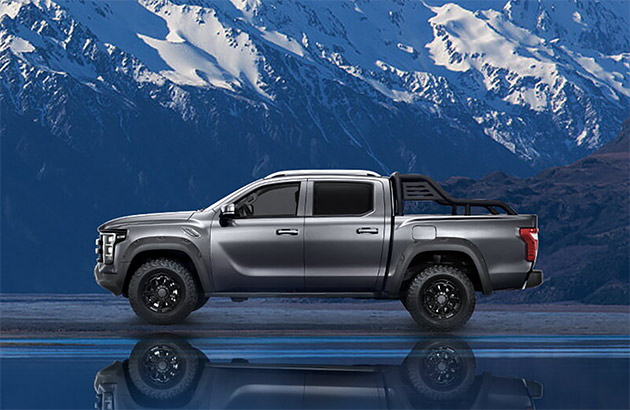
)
(343, 234)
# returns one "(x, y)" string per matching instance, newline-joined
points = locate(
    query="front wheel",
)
(201, 301)
(164, 369)
(163, 291)
(441, 297)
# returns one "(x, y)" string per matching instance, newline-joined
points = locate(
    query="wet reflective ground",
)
(364, 372)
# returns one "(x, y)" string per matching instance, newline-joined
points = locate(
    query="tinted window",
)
(343, 198)
(269, 201)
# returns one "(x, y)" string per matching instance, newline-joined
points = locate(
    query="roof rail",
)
(320, 172)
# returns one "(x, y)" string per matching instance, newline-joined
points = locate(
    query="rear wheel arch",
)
(457, 252)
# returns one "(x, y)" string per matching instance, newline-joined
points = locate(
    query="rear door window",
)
(342, 198)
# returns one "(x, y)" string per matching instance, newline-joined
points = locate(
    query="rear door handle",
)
(285, 231)
(372, 231)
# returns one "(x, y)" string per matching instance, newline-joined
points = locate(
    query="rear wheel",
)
(441, 369)
(163, 291)
(441, 297)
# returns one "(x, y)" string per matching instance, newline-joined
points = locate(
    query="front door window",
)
(271, 201)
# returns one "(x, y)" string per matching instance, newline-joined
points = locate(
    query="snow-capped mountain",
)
(548, 80)
(113, 107)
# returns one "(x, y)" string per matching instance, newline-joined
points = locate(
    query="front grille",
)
(99, 248)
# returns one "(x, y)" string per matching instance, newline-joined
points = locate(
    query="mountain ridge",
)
(491, 70)
(584, 224)
(114, 108)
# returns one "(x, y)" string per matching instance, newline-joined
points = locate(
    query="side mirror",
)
(228, 212)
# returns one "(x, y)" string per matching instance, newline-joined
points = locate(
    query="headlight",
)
(107, 243)
(109, 240)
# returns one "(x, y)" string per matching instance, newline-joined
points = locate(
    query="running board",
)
(238, 295)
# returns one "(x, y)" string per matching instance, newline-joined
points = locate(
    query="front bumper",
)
(534, 278)
(110, 277)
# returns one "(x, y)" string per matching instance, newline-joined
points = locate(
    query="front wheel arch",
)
(143, 256)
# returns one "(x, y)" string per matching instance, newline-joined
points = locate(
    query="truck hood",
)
(165, 217)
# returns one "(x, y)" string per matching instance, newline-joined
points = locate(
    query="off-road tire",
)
(415, 304)
(442, 369)
(174, 382)
(175, 271)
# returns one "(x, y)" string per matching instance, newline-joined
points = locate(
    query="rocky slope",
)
(584, 220)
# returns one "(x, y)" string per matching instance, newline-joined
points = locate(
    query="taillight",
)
(530, 236)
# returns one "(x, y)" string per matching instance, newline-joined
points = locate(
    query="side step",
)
(246, 295)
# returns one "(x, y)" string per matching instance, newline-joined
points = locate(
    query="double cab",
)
(323, 233)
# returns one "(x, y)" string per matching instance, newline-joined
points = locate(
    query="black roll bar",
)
(416, 187)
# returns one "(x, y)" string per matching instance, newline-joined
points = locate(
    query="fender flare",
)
(444, 245)
(171, 243)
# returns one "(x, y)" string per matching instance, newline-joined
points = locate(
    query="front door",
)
(344, 235)
(262, 249)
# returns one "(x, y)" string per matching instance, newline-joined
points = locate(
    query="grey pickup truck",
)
(323, 233)
(165, 372)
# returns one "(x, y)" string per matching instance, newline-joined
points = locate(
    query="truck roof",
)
(320, 172)
(407, 187)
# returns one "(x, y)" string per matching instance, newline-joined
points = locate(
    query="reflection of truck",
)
(322, 234)
(169, 373)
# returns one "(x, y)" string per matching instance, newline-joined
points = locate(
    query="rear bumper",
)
(534, 389)
(534, 278)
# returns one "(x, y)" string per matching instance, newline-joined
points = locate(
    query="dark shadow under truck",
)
(323, 233)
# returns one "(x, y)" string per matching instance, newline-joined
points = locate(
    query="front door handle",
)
(372, 231)
(291, 232)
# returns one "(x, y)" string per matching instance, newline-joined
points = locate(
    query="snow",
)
(580, 138)
(396, 95)
(207, 53)
(495, 55)
(19, 46)
(216, 44)
(281, 40)
(405, 48)
(486, 38)
(577, 17)
(9, 8)
(187, 65)
(609, 78)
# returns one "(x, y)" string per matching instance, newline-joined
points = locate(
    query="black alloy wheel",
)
(161, 292)
(164, 370)
(441, 369)
(442, 298)
(161, 366)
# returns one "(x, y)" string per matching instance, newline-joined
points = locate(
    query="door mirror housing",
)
(228, 211)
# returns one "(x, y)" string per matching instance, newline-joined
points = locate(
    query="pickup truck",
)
(323, 233)
(169, 373)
